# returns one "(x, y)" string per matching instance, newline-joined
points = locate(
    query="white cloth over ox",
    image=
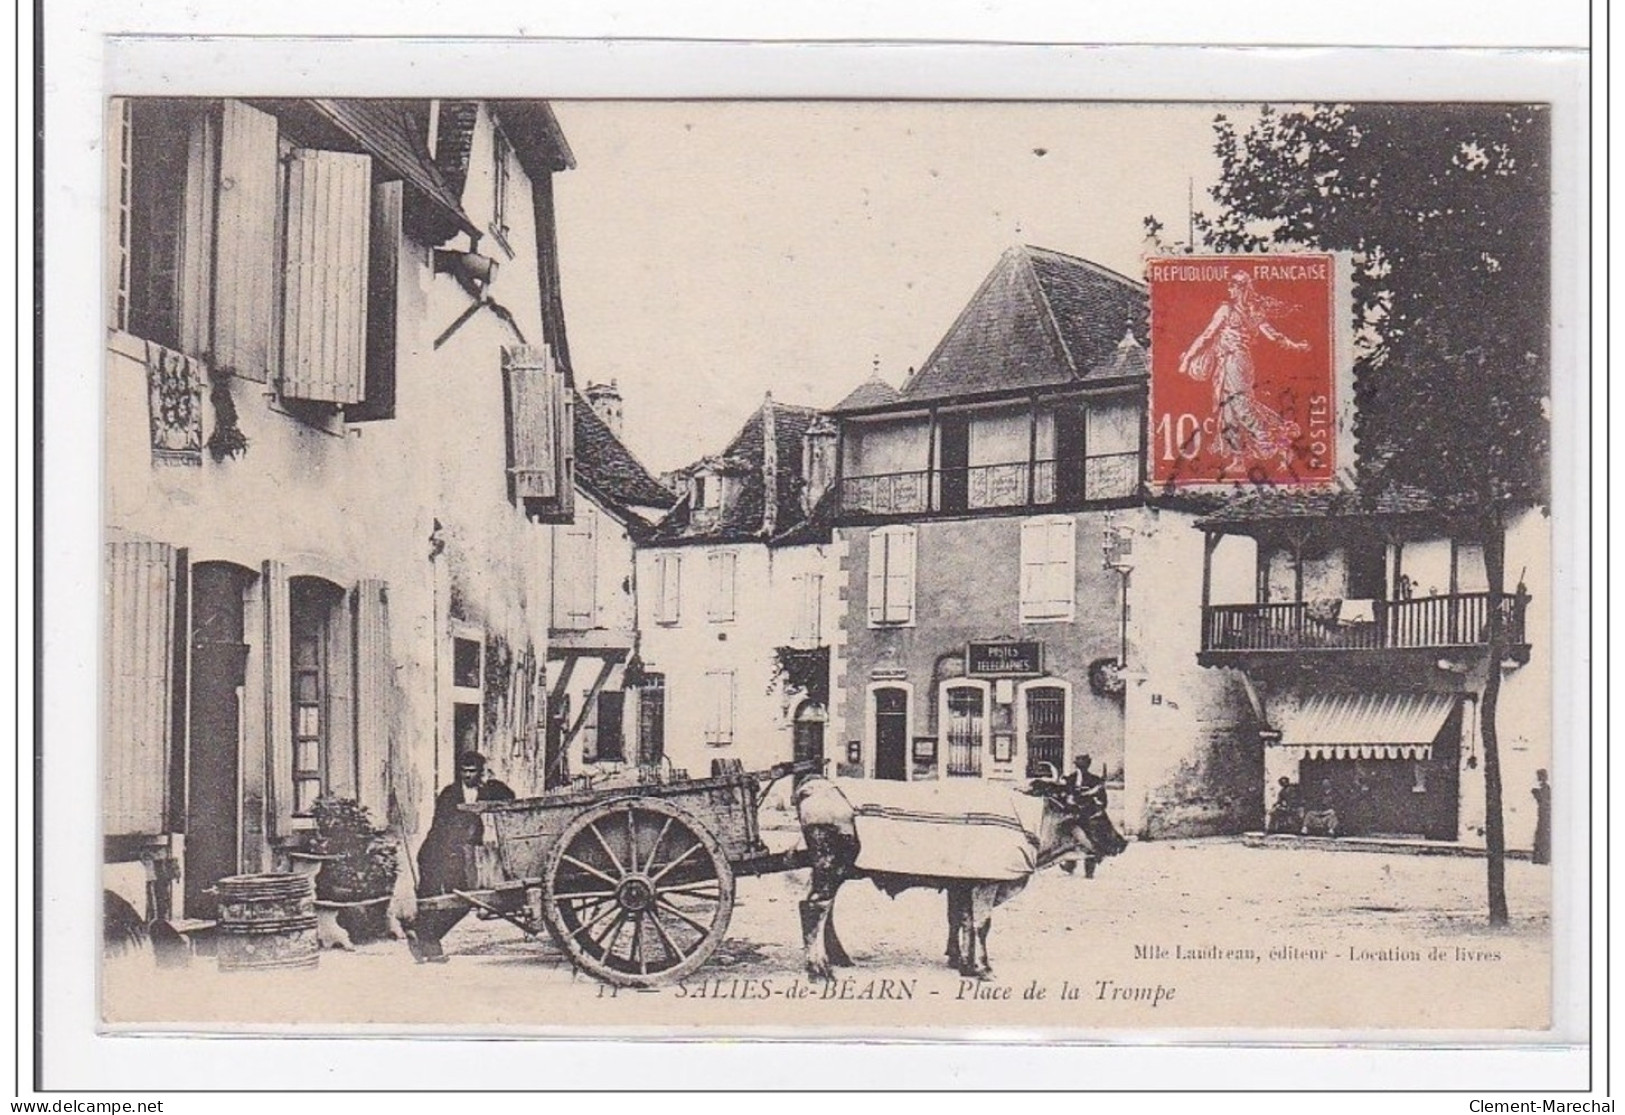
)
(952, 829)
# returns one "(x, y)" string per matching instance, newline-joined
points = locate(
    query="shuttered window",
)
(540, 437)
(140, 587)
(723, 568)
(809, 623)
(720, 686)
(891, 576)
(575, 572)
(1048, 568)
(326, 253)
(668, 588)
(245, 231)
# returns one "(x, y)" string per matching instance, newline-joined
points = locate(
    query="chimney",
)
(605, 399)
(818, 459)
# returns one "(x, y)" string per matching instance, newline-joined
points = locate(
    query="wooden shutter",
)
(275, 783)
(720, 729)
(670, 609)
(117, 152)
(576, 573)
(1060, 564)
(383, 303)
(195, 269)
(245, 242)
(1048, 568)
(374, 695)
(540, 441)
(140, 587)
(724, 567)
(877, 576)
(900, 576)
(324, 336)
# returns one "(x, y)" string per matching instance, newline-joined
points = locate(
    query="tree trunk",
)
(1494, 827)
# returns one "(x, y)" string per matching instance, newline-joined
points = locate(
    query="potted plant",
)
(359, 866)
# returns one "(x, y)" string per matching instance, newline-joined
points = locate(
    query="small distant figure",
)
(1081, 780)
(1286, 815)
(1542, 792)
(1320, 818)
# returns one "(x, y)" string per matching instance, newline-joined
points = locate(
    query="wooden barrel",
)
(266, 921)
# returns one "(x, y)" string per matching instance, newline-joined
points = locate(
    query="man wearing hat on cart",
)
(445, 859)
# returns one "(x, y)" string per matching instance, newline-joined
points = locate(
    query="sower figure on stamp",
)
(445, 859)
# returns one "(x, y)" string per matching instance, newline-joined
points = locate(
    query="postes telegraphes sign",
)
(1004, 658)
(1243, 370)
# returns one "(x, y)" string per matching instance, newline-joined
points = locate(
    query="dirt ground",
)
(1175, 935)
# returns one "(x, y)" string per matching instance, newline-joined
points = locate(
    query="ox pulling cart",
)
(635, 882)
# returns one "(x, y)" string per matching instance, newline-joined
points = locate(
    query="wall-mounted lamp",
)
(474, 271)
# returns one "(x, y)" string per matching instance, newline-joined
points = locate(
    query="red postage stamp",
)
(1242, 370)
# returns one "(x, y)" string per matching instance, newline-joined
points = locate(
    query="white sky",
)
(714, 251)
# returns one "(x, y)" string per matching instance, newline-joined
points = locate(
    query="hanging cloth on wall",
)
(175, 406)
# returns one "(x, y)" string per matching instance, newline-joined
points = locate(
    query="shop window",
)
(1048, 569)
(891, 576)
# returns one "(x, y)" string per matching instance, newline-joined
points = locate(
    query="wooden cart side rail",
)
(752, 781)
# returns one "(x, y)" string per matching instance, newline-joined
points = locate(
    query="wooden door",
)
(891, 734)
(218, 672)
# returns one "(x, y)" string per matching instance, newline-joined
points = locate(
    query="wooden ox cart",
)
(635, 882)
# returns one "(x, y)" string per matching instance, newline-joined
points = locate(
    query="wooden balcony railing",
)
(1461, 620)
(976, 487)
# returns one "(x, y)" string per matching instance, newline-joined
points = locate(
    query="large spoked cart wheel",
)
(638, 891)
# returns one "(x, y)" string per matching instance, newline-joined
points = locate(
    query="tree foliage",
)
(1445, 211)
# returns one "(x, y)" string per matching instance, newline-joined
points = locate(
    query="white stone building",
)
(739, 597)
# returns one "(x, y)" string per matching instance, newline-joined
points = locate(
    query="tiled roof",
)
(1276, 504)
(454, 140)
(745, 518)
(872, 392)
(391, 131)
(608, 469)
(1040, 319)
(530, 126)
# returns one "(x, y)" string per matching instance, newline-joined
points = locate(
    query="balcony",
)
(1016, 484)
(1232, 631)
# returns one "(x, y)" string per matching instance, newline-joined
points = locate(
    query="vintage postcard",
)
(828, 566)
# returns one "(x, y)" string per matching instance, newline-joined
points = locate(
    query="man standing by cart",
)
(445, 859)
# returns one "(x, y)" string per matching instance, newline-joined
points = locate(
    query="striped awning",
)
(1367, 725)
